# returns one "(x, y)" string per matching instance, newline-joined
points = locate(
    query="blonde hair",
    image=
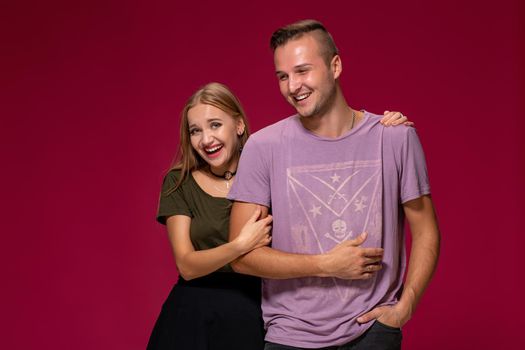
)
(214, 94)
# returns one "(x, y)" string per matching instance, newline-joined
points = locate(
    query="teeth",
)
(301, 97)
(214, 149)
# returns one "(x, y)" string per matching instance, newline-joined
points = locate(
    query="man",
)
(339, 185)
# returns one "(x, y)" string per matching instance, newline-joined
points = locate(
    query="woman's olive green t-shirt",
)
(210, 216)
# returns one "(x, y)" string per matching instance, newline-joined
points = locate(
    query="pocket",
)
(397, 329)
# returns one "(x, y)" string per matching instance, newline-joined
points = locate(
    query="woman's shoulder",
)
(172, 176)
(171, 180)
(174, 173)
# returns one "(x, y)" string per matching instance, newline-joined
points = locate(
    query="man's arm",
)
(422, 264)
(346, 260)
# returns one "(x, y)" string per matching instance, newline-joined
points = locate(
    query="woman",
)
(210, 307)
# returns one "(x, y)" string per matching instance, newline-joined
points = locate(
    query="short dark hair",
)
(295, 30)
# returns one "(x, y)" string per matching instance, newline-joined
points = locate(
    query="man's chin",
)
(304, 114)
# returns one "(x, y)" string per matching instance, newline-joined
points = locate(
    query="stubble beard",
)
(322, 106)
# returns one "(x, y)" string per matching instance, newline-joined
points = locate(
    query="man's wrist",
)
(405, 309)
(408, 298)
(322, 262)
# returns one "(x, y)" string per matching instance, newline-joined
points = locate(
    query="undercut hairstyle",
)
(308, 26)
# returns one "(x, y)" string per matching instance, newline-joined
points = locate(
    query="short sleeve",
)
(172, 201)
(413, 176)
(252, 183)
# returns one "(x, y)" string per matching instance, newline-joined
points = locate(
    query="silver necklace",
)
(222, 190)
(227, 176)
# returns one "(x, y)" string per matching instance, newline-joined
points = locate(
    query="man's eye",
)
(282, 77)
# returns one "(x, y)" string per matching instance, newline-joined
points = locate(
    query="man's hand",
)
(391, 315)
(348, 260)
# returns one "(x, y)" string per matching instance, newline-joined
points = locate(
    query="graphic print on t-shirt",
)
(332, 203)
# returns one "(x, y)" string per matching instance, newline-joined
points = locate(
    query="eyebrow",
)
(207, 120)
(304, 65)
(299, 66)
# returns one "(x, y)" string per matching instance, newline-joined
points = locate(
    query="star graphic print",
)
(332, 203)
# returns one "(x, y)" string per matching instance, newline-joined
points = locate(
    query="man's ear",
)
(336, 66)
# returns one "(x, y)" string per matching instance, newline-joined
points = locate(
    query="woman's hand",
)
(254, 234)
(395, 118)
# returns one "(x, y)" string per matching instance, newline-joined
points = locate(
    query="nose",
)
(207, 137)
(294, 84)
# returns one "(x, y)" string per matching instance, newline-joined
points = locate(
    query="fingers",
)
(367, 252)
(267, 220)
(371, 268)
(387, 117)
(263, 228)
(367, 276)
(398, 118)
(373, 260)
(368, 271)
(264, 224)
(369, 316)
(393, 118)
(373, 252)
(255, 215)
(359, 239)
(264, 241)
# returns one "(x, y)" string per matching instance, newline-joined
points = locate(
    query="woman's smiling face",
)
(214, 136)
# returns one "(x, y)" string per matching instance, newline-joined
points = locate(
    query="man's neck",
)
(336, 121)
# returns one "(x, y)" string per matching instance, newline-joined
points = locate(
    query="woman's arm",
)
(347, 260)
(192, 264)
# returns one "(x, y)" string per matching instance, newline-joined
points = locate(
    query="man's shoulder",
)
(393, 136)
(273, 132)
(397, 133)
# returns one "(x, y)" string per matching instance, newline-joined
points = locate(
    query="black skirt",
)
(214, 312)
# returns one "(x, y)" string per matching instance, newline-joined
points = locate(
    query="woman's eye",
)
(215, 125)
(193, 132)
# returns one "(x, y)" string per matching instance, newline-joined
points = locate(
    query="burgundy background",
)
(90, 97)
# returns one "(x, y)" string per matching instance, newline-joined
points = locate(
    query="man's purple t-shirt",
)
(323, 191)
